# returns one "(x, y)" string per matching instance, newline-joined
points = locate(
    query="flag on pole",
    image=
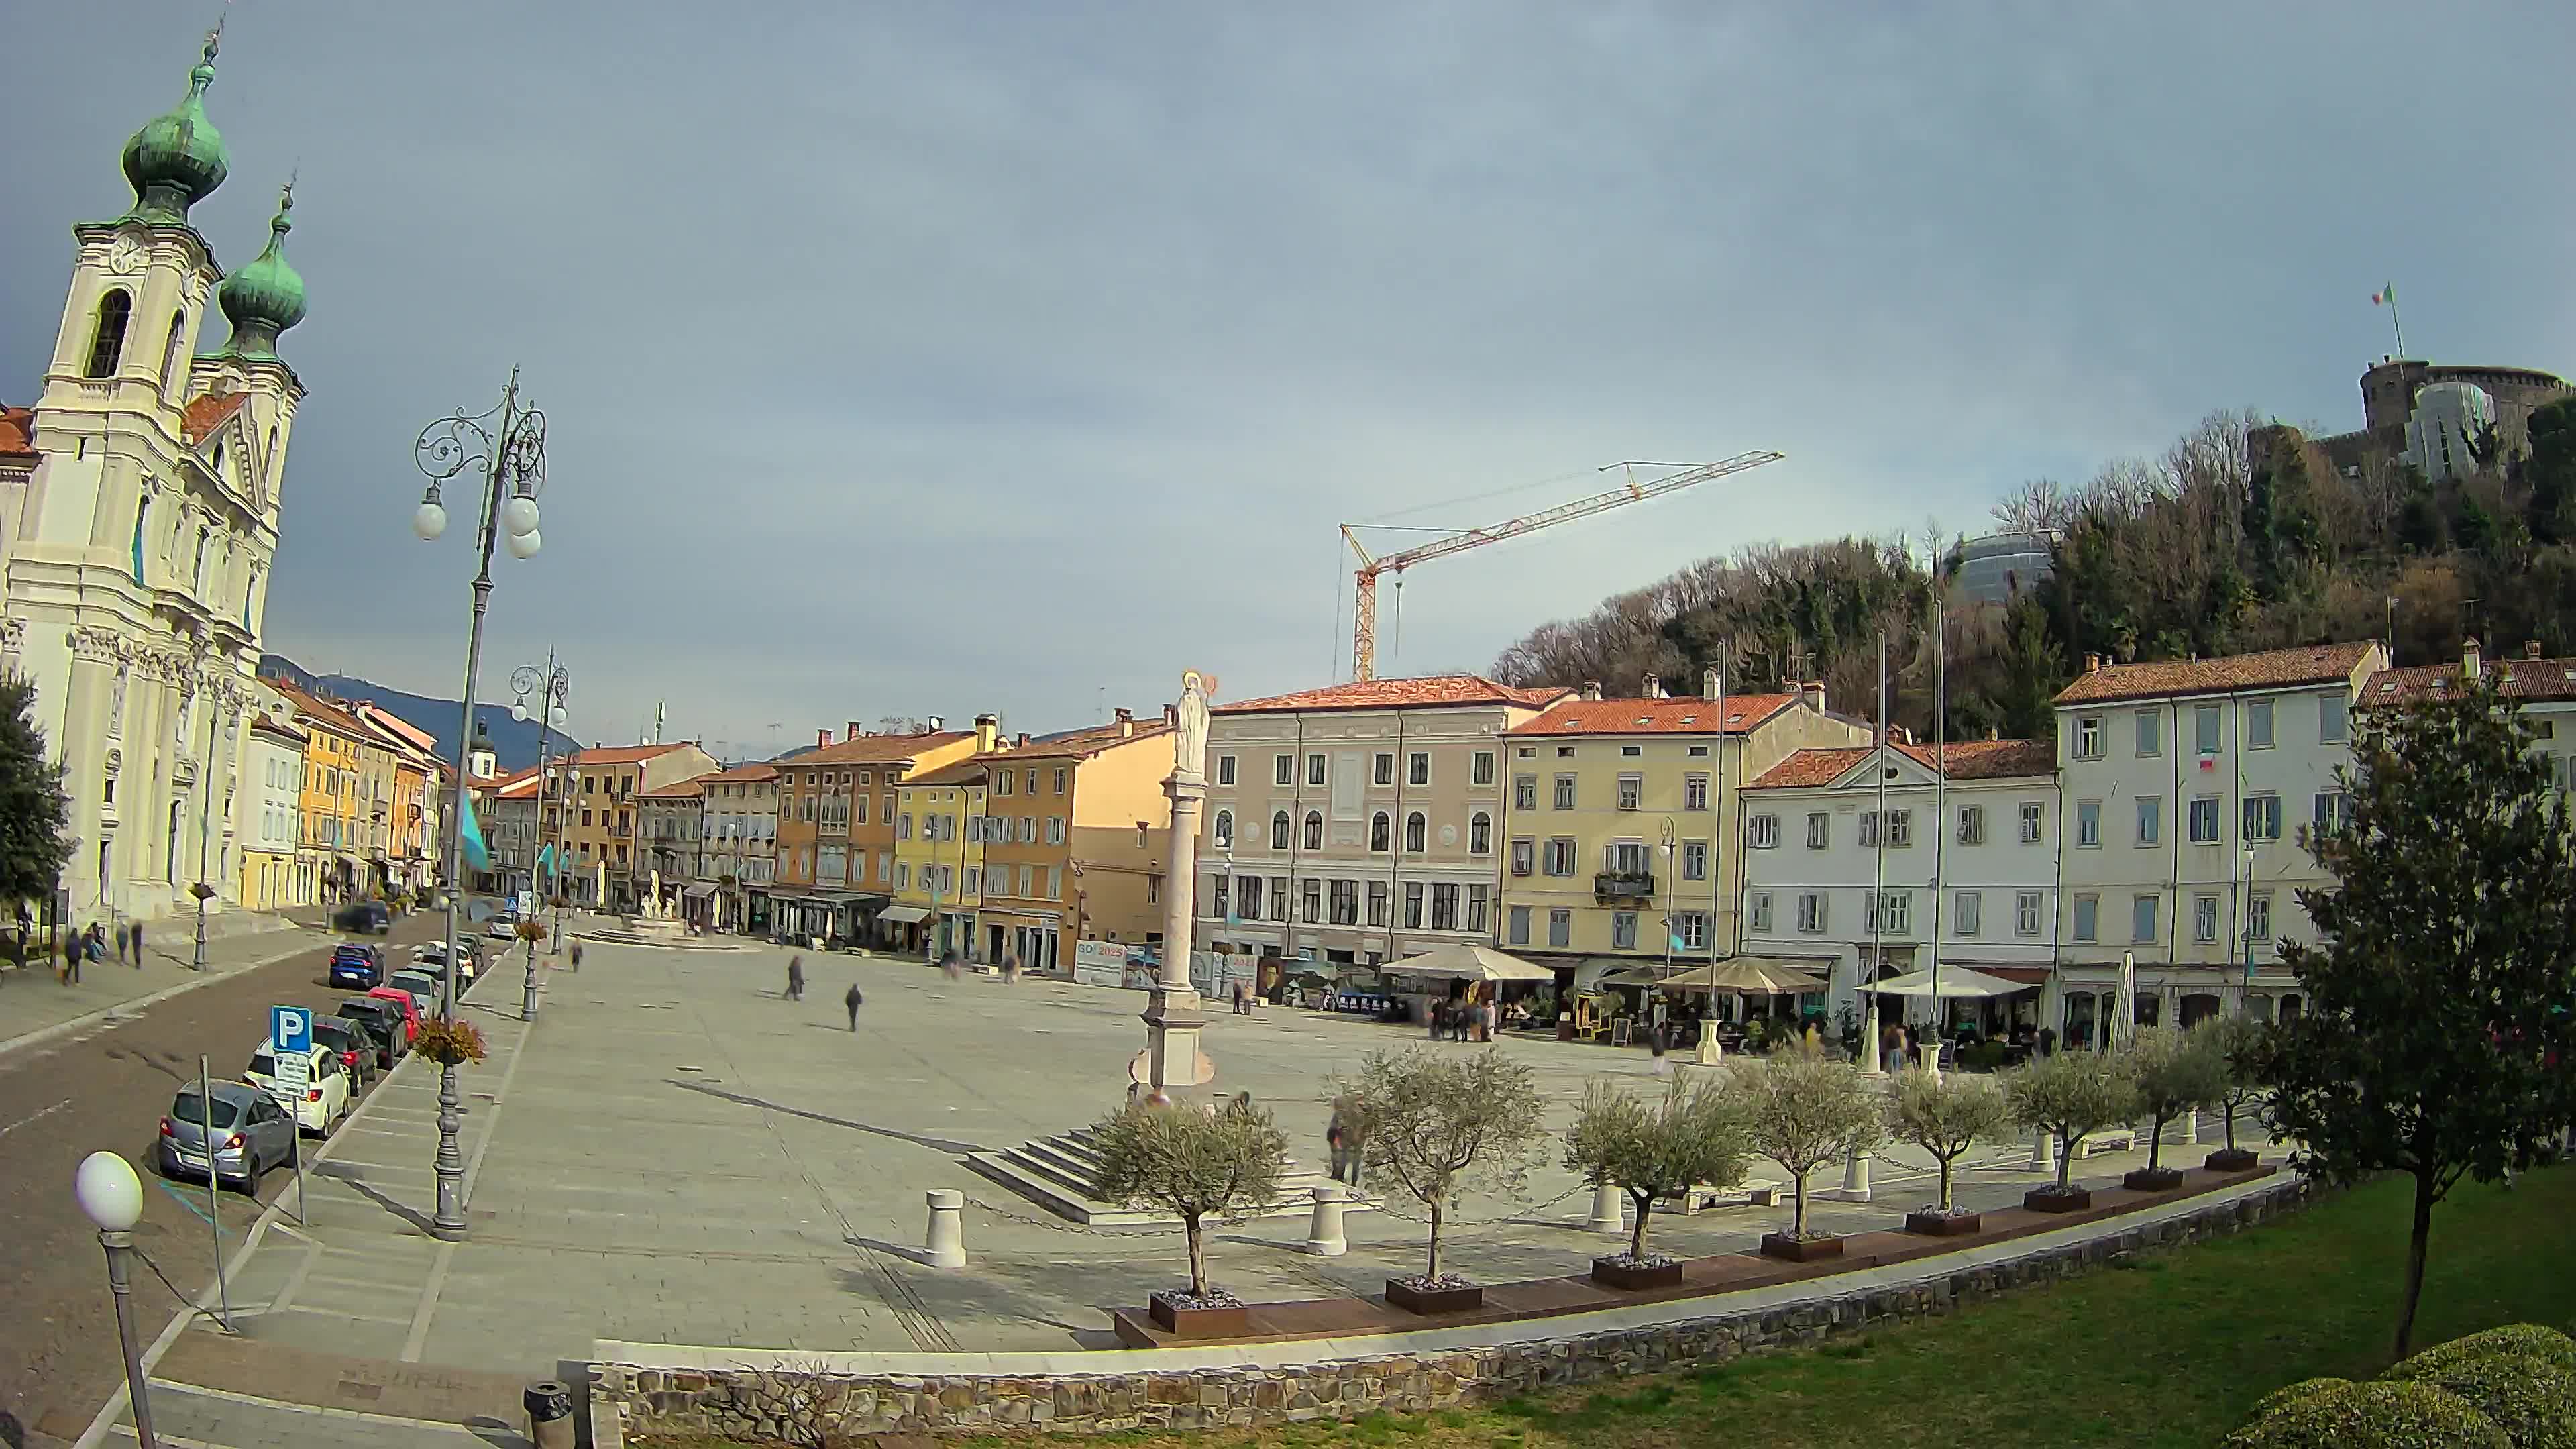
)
(477, 854)
(2385, 296)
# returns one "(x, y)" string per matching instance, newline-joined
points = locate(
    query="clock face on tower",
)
(125, 256)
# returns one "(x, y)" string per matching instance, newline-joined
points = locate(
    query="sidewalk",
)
(35, 1006)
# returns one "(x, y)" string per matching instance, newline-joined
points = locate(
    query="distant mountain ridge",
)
(514, 744)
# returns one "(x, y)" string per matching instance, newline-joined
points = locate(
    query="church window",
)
(107, 344)
(204, 535)
(170, 356)
(141, 508)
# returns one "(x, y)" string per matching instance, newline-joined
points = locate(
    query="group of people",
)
(1464, 1020)
(93, 944)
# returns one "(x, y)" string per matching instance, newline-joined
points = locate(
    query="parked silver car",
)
(251, 1134)
(423, 987)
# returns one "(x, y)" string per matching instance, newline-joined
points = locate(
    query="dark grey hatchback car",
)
(249, 1134)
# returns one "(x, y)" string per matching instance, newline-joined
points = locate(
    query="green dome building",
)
(266, 296)
(177, 159)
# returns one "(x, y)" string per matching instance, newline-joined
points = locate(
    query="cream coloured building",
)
(138, 546)
(1360, 822)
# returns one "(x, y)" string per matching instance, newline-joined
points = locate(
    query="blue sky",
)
(923, 359)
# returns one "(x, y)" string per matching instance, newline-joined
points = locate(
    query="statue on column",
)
(1189, 744)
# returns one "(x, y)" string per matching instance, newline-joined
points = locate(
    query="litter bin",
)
(549, 1403)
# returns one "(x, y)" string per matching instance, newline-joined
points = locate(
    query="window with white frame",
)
(1820, 829)
(1811, 912)
(1311, 902)
(2262, 817)
(2334, 718)
(1224, 829)
(1283, 769)
(1972, 825)
(2151, 819)
(1524, 856)
(1691, 929)
(2204, 919)
(1417, 768)
(1479, 903)
(1694, 860)
(1279, 830)
(1565, 792)
(1632, 791)
(2088, 823)
(2142, 917)
(1870, 833)
(1382, 768)
(2026, 912)
(1381, 832)
(1900, 828)
(1224, 773)
(1345, 906)
(1314, 830)
(2258, 919)
(1525, 792)
(1314, 769)
(1763, 831)
(1967, 913)
(1480, 768)
(1480, 834)
(1377, 903)
(2088, 918)
(2034, 821)
(2150, 726)
(1413, 905)
(1444, 905)
(2088, 737)
(1560, 855)
(1623, 930)
(2332, 810)
(1416, 832)
(2204, 820)
(1695, 791)
(1757, 910)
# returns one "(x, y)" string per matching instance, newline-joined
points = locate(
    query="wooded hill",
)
(2239, 537)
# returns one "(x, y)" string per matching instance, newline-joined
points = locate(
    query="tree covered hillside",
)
(2240, 536)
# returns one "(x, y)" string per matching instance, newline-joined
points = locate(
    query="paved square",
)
(679, 1155)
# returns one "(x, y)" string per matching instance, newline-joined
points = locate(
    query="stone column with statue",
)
(1172, 1060)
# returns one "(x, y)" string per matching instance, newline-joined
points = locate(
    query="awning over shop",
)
(904, 915)
(1471, 963)
(700, 891)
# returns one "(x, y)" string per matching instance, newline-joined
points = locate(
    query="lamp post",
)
(112, 1196)
(2245, 935)
(551, 687)
(508, 444)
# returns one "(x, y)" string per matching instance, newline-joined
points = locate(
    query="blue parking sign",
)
(291, 1028)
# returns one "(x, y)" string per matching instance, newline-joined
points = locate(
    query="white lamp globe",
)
(524, 545)
(519, 712)
(519, 515)
(556, 716)
(429, 520)
(109, 1191)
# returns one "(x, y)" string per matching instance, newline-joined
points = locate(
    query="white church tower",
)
(137, 549)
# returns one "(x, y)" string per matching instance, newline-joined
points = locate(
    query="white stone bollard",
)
(1324, 1231)
(2043, 1151)
(946, 1245)
(1929, 1056)
(1609, 1211)
(2188, 1129)
(1711, 1051)
(1855, 1186)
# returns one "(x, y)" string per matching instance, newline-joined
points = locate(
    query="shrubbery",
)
(2507, 1388)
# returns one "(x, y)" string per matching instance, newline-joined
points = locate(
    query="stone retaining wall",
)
(788, 1400)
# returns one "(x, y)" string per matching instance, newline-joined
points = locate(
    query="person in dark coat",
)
(852, 1001)
(71, 960)
(796, 978)
(136, 935)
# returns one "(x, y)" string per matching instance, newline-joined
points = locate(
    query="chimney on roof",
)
(1709, 680)
(822, 737)
(1814, 695)
(934, 724)
(2092, 663)
(2469, 657)
(1126, 723)
(2530, 648)
(988, 731)
(1023, 741)
(1592, 689)
(1171, 716)
(850, 730)
(1654, 687)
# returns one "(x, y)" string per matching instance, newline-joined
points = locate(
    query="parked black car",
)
(365, 918)
(382, 1021)
(356, 1048)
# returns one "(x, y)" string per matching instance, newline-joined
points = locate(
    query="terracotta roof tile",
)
(1083, 744)
(878, 749)
(689, 789)
(2271, 669)
(623, 754)
(17, 432)
(2533, 679)
(1968, 760)
(205, 414)
(325, 713)
(1427, 691)
(1686, 716)
(745, 774)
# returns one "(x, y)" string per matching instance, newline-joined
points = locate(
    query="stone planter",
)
(1412, 1298)
(1565, 1028)
(1635, 1278)
(1800, 1250)
(1193, 1322)
(2057, 1200)
(1943, 1225)
(2161, 1179)
(2231, 1159)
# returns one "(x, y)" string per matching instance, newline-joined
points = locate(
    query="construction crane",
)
(1364, 614)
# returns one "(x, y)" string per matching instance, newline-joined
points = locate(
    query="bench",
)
(2109, 1139)
(1751, 1192)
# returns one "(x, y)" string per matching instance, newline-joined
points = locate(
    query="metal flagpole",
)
(1877, 900)
(1941, 798)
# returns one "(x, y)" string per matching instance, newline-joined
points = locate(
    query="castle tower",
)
(135, 555)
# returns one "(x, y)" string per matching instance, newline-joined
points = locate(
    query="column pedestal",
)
(1855, 1186)
(1324, 1231)
(1609, 1211)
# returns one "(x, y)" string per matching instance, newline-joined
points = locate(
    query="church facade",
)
(136, 546)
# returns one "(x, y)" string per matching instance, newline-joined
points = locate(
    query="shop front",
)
(1035, 939)
(900, 928)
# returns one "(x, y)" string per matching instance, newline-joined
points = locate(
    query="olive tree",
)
(1192, 1163)
(1440, 1125)
(1945, 1114)
(1804, 1110)
(2174, 1072)
(2243, 1047)
(1695, 1134)
(2068, 1095)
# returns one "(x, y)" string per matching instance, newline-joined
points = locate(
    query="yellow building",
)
(939, 834)
(330, 854)
(1079, 838)
(1622, 824)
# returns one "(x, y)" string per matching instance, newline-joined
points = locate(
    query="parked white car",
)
(326, 1086)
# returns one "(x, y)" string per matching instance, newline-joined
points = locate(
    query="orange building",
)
(1077, 833)
(836, 808)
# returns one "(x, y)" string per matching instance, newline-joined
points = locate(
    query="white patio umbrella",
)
(1470, 963)
(1956, 981)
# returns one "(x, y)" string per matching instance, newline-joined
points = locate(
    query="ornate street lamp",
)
(112, 1196)
(508, 446)
(550, 688)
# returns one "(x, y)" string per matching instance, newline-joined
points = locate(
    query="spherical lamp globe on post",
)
(508, 447)
(112, 1196)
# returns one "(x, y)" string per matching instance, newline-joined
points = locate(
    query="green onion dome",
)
(178, 159)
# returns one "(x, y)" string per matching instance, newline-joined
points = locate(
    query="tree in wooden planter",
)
(1696, 1134)
(1439, 1125)
(1945, 1114)
(2174, 1072)
(2066, 1096)
(1803, 1111)
(1196, 1165)
(2244, 1046)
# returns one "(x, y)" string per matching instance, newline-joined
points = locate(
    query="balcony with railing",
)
(1624, 885)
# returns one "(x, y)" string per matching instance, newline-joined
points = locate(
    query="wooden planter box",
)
(2051, 1200)
(1412, 1299)
(2162, 1179)
(2231, 1159)
(1943, 1225)
(1800, 1250)
(1610, 1274)
(1199, 1322)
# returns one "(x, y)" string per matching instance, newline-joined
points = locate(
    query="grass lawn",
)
(2169, 1352)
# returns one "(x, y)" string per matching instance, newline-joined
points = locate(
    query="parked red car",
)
(410, 1011)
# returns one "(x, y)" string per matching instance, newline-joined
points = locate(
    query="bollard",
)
(2043, 1152)
(946, 1245)
(2190, 1127)
(549, 1405)
(1712, 1052)
(1324, 1231)
(1855, 1186)
(1609, 1211)
(1929, 1055)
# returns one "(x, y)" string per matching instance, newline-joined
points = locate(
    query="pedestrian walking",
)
(795, 978)
(1010, 971)
(70, 974)
(948, 963)
(853, 1001)
(123, 938)
(136, 934)
(1439, 1015)
(576, 955)
(1243, 998)
(1342, 1134)
(1655, 1044)
(1891, 1048)
(1493, 1018)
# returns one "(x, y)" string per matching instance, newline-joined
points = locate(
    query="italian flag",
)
(2385, 296)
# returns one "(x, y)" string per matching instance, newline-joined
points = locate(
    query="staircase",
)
(1058, 1174)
